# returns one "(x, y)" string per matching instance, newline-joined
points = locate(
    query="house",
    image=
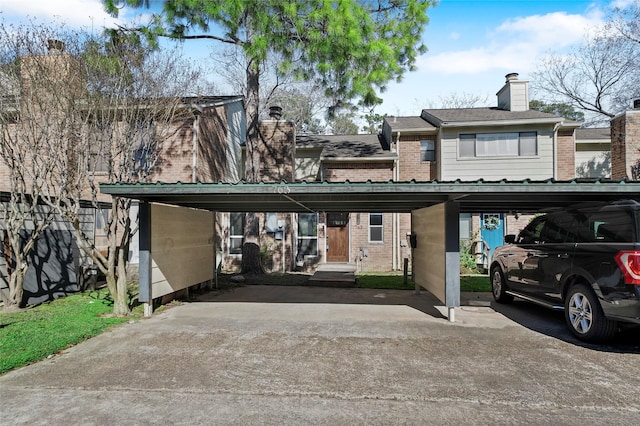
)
(507, 141)
(199, 141)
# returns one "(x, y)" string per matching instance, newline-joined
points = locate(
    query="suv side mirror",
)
(510, 239)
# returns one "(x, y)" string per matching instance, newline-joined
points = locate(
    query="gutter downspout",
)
(194, 133)
(396, 218)
(555, 150)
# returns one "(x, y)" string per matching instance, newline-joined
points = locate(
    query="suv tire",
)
(499, 286)
(585, 317)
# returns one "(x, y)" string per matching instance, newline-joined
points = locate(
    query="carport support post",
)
(452, 258)
(144, 283)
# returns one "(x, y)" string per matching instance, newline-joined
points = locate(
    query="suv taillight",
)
(629, 262)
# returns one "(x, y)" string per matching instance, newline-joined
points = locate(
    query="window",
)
(100, 137)
(427, 151)
(236, 232)
(307, 234)
(376, 229)
(143, 142)
(523, 144)
(465, 226)
(101, 224)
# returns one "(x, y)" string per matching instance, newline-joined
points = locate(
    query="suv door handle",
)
(537, 255)
(563, 256)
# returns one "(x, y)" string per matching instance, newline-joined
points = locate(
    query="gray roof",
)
(595, 133)
(409, 123)
(465, 115)
(346, 146)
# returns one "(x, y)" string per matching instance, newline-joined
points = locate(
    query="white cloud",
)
(515, 44)
(454, 36)
(74, 13)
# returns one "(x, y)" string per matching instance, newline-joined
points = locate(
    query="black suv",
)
(584, 260)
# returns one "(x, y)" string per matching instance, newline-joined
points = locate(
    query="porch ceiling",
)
(476, 196)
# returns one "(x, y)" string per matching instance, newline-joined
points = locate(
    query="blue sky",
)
(472, 44)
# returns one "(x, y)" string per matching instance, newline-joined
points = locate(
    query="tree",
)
(602, 76)
(35, 124)
(341, 122)
(463, 100)
(351, 48)
(374, 121)
(93, 111)
(559, 109)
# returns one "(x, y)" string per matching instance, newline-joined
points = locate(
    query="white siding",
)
(307, 164)
(235, 140)
(593, 163)
(539, 167)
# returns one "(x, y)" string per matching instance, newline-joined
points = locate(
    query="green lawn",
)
(33, 334)
(472, 283)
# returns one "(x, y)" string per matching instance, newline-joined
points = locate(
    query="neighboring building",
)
(203, 144)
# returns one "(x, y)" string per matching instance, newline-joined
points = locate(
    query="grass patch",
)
(473, 283)
(33, 334)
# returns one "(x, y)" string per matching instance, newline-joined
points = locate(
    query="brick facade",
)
(566, 155)
(625, 144)
(409, 160)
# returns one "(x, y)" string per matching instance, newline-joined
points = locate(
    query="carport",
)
(168, 208)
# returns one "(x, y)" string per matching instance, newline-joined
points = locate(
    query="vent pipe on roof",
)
(511, 76)
(275, 112)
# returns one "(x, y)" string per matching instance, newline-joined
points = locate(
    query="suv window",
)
(531, 234)
(559, 228)
(611, 226)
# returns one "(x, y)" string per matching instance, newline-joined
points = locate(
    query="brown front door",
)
(337, 237)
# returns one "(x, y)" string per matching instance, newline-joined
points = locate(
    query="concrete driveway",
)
(293, 356)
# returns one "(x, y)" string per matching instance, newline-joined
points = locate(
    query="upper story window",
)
(376, 228)
(100, 138)
(522, 144)
(142, 135)
(427, 150)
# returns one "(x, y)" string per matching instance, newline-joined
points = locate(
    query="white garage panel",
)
(436, 257)
(182, 248)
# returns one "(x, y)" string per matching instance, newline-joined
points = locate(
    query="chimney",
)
(275, 112)
(277, 148)
(625, 144)
(514, 95)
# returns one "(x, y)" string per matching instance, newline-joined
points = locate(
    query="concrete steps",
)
(334, 275)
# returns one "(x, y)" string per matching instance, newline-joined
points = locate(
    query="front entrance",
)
(337, 237)
(492, 226)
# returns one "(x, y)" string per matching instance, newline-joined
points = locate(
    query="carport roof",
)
(475, 196)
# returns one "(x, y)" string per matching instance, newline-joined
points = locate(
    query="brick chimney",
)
(625, 144)
(277, 148)
(514, 95)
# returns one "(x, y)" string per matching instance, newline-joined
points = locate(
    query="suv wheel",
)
(499, 286)
(584, 315)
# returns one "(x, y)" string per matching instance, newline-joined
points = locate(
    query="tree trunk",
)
(251, 248)
(121, 295)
